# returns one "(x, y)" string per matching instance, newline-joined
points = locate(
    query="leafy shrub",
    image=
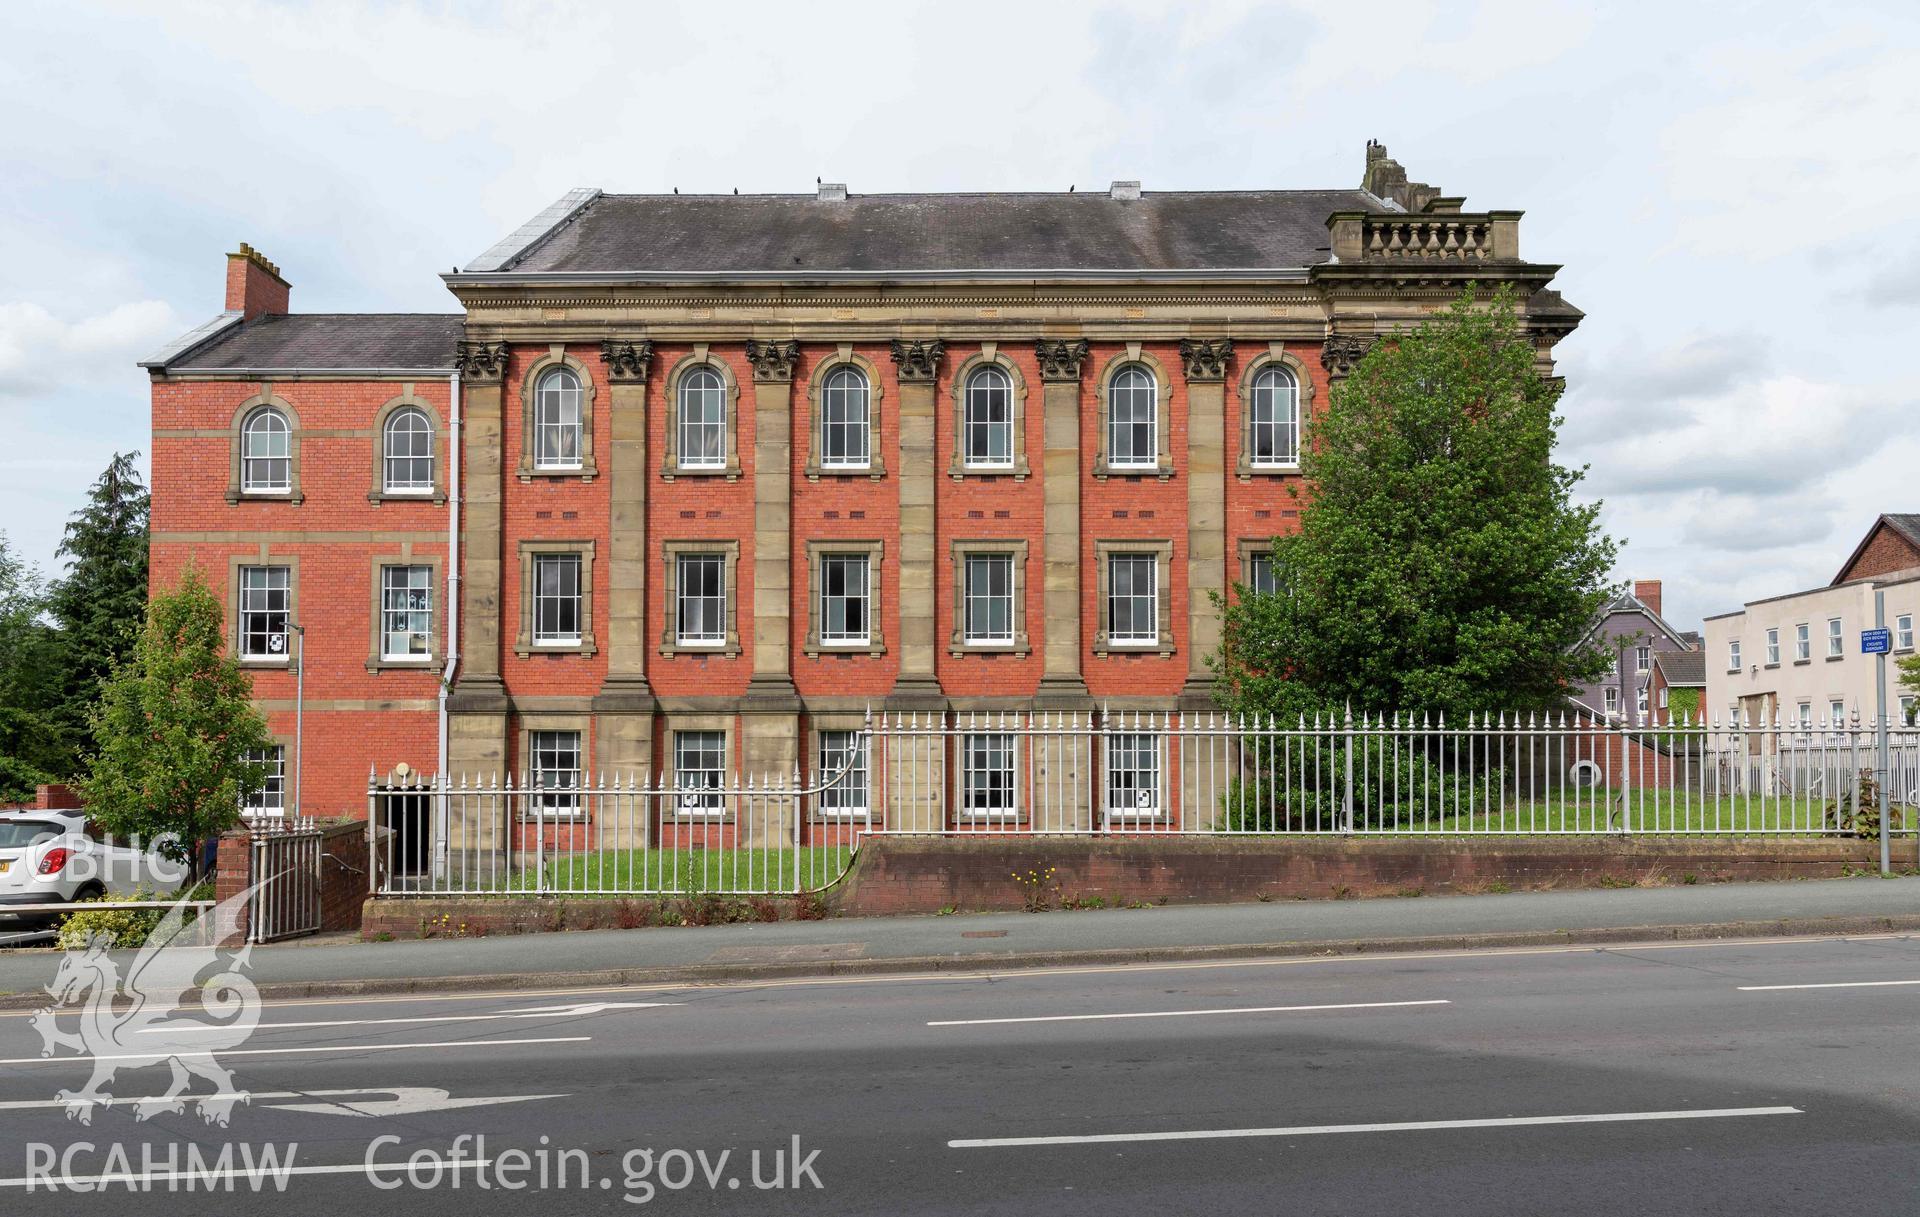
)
(127, 927)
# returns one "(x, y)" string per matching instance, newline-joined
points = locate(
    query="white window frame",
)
(1262, 575)
(1640, 706)
(1903, 632)
(556, 764)
(558, 597)
(1836, 638)
(399, 604)
(1132, 562)
(258, 469)
(1905, 708)
(977, 399)
(256, 601)
(846, 413)
(1643, 659)
(699, 788)
(705, 605)
(845, 638)
(1773, 646)
(1133, 384)
(1274, 412)
(971, 598)
(1803, 642)
(701, 416)
(271, 798)
(1837, 713)
(851, 798)
(995, 746)
(555, 394)
(411, 424)
(1125, 752)
(1610, 699)
(1733, 655)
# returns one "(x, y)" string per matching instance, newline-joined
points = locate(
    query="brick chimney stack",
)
(1647, 592)
(254, 285)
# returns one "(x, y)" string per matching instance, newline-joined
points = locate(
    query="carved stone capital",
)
(1059, 358)
(480, 362)
(773, 361)
(627, 361)
(1340, 352)
(1206, 358)
(918, 358)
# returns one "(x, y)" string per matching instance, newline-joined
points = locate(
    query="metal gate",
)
(286, 880)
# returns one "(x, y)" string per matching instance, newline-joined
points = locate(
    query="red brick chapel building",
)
(690, 482)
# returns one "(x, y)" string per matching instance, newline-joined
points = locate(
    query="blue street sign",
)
(1876, 642)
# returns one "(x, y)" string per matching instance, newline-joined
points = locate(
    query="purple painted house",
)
(1631, 628)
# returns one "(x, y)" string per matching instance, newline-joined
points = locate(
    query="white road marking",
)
(226, 1052)
(405, 1101)
(148, 1178)
(538, 1012)
(1077, 1018)
(1840, 984)
(1317, 1130)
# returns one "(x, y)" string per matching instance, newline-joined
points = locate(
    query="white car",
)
(56, 857)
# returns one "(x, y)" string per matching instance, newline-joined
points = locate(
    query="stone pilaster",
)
(770, 710)
(477, 706)
(917, 688)
(1205, 362)
(1062, 687)
(623, 709)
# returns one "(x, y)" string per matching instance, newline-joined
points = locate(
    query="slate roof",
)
(1683, 668)
(312, 342)
(795, 235)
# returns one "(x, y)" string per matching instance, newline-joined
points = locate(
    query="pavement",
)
(1698, 1078)
(873, 945)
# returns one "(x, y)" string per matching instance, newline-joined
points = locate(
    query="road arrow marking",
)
(536, 1012)
(597, 1007)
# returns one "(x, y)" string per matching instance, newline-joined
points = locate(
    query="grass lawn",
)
(1601, 811)
(676, 871)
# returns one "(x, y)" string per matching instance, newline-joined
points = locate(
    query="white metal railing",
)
(1142, 774)
(284, 859)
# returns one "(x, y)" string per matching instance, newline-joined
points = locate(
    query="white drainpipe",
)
(454, 499)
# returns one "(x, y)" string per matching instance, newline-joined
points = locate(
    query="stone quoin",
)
(690, 482)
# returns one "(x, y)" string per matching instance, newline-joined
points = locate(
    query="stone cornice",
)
(480, 362)
(772, 361)
(626, 360)
(1060, 359)
(1206, 358)
(918, 358)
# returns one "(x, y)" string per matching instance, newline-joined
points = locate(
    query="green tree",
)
(102, 599)
(30, 744)
(1441, 564)
(1910, 683)
(173, 728)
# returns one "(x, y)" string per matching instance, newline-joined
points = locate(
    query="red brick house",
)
(689, 482)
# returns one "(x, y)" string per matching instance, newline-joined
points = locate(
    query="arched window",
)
(1133, 430)
(703, 419)
(845, 420)
(408, 441)
(556, 420)
(266, 445)
(1273, 426)
(989, 419)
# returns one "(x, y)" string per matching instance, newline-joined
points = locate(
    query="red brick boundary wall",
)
(928, 874)
(908, 875)
(343, 872)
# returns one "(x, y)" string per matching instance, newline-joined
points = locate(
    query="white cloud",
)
(39, 350)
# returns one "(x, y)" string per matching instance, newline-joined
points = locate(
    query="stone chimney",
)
(1126, 191)
(1385, 178)
(254, 285)
(1647, 592)
(831, 192)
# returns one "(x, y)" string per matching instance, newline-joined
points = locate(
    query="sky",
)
(1728, 190)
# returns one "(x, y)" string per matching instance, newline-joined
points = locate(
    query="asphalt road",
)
(1425, 1084)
